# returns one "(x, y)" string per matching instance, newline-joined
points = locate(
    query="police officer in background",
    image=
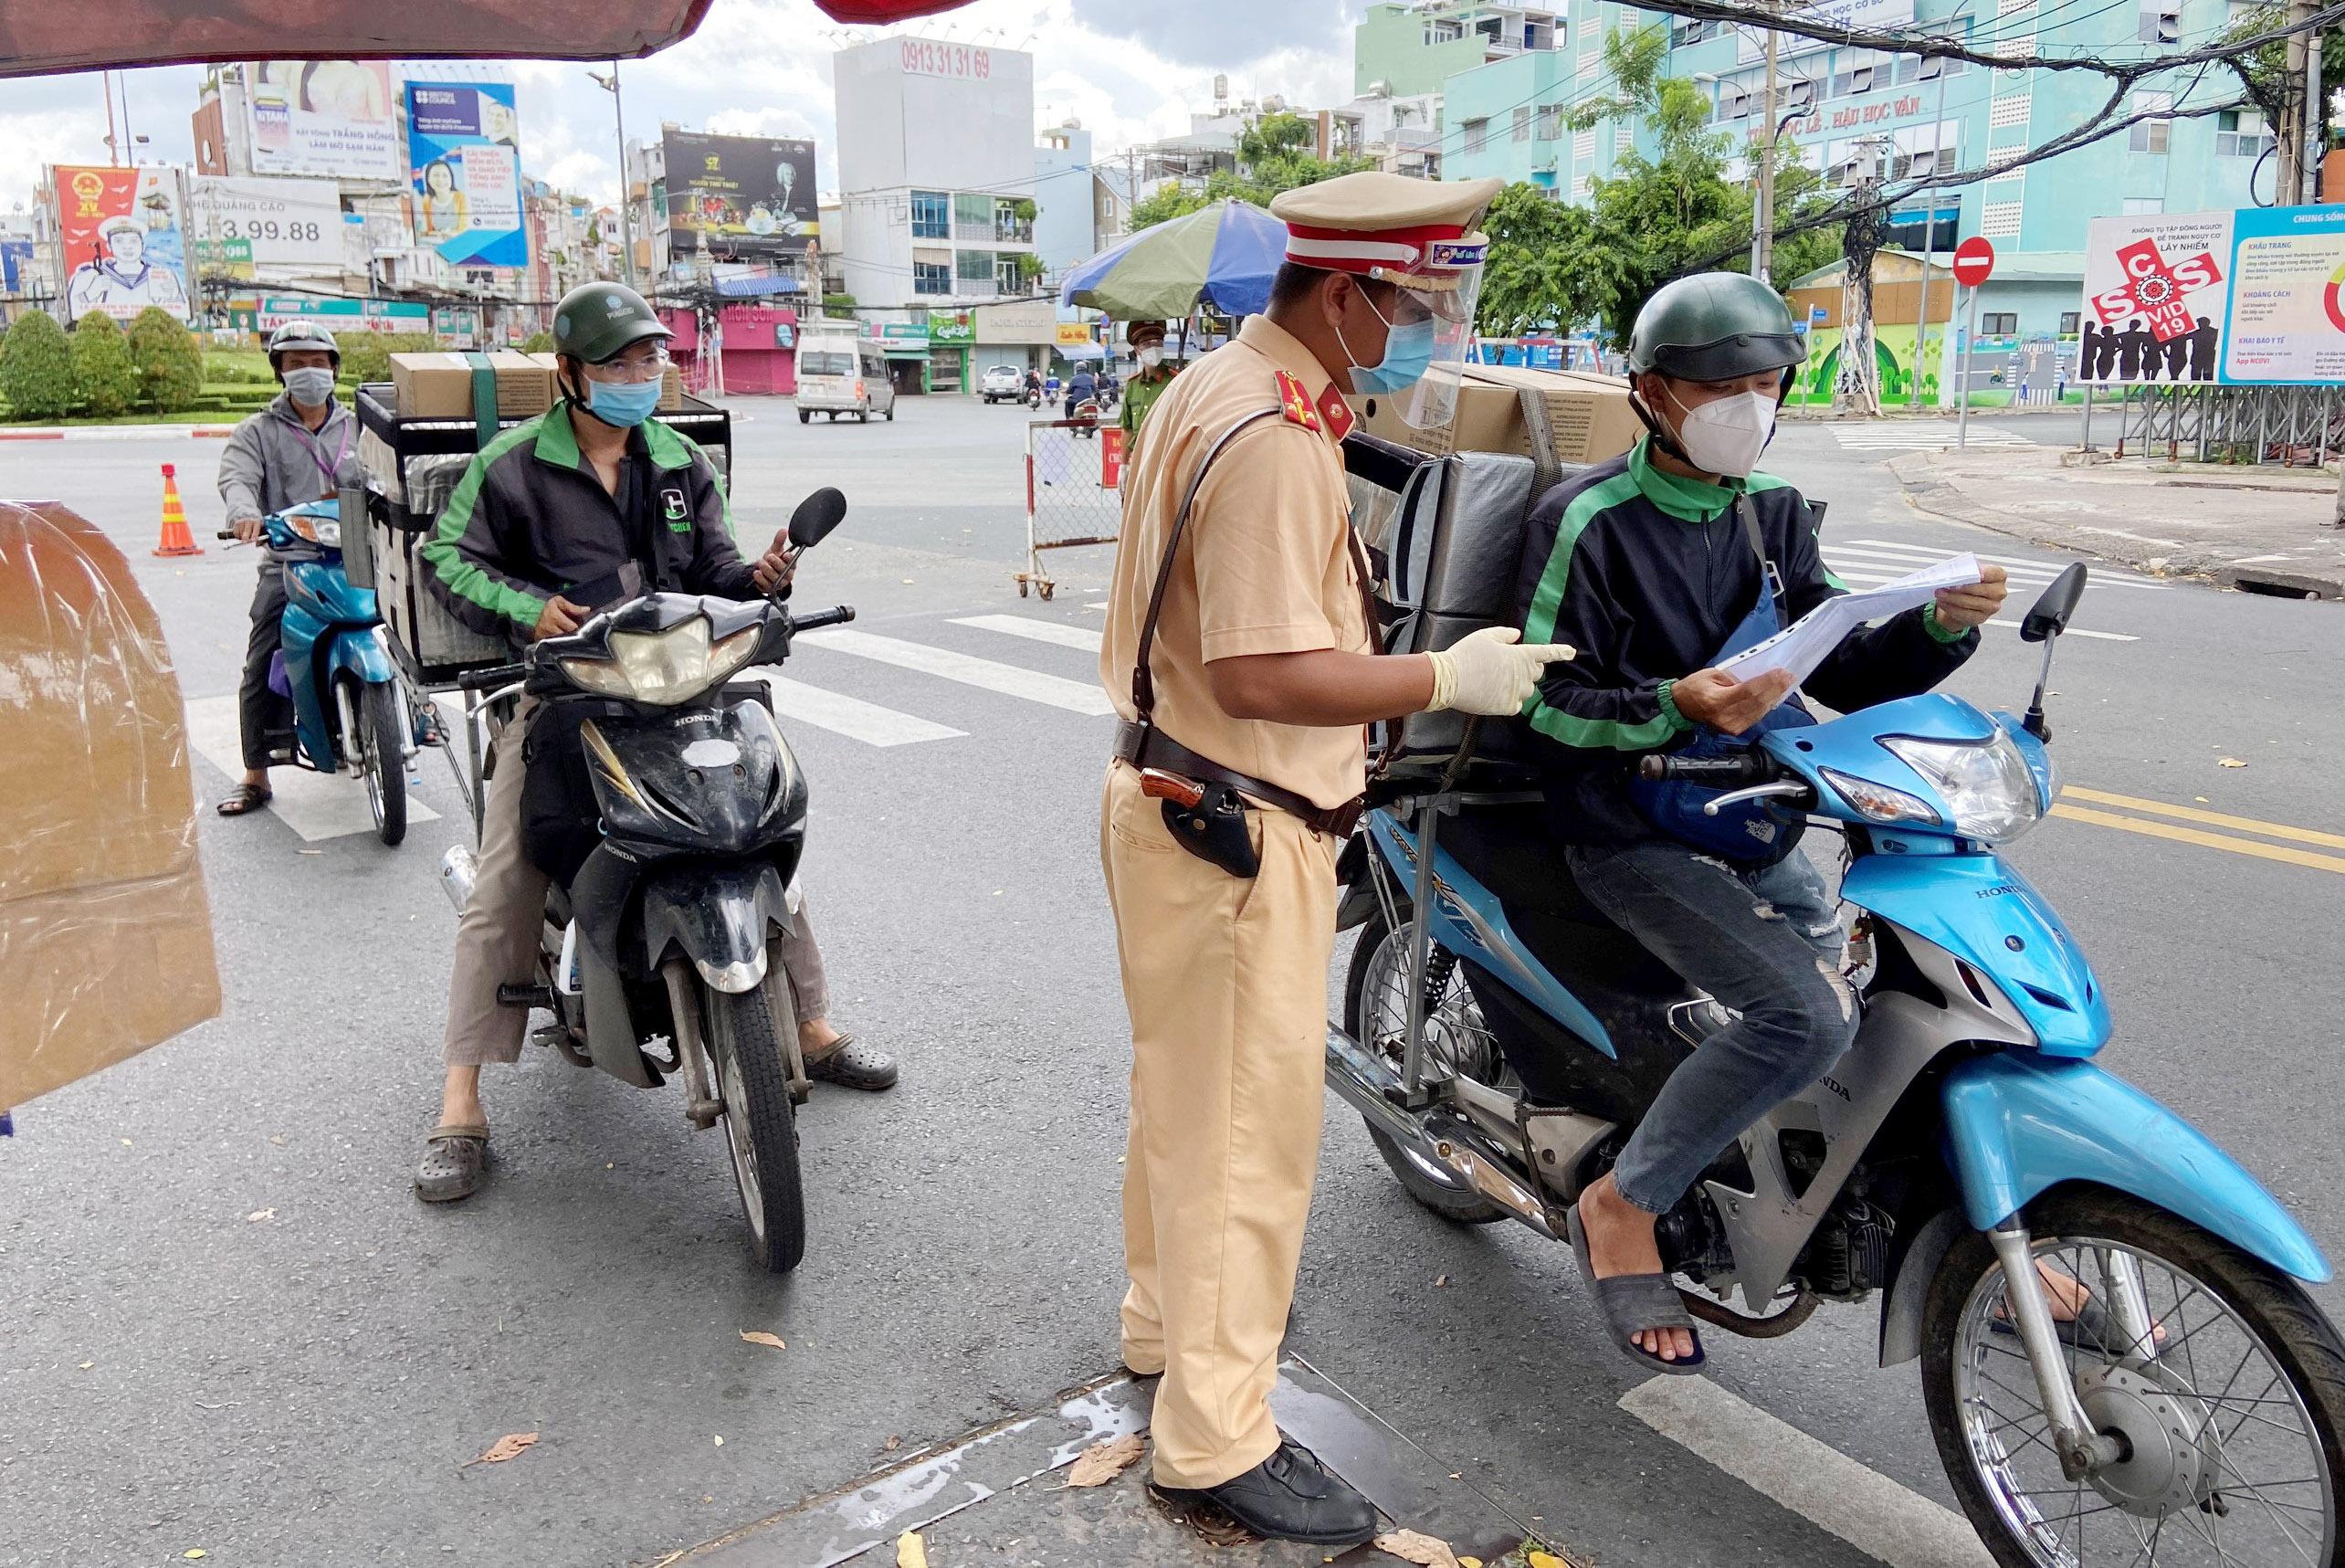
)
(1240, 654)
(296, 449)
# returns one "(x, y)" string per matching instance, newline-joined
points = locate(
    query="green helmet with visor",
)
(599, 321)
(1714, 326)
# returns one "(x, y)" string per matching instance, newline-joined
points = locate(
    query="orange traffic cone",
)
(176, 540)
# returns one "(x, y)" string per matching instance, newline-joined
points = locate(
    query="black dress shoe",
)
(1291, 1496)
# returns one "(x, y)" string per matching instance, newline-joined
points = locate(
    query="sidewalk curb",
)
(118, 432)
(1935, 496)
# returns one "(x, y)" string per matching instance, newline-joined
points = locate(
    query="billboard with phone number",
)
(464, 156)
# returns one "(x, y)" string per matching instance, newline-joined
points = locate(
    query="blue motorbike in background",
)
(2119, 1361)
(349, 710)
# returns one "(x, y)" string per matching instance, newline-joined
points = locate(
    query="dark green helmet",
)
(597, 320)
(1714, 326)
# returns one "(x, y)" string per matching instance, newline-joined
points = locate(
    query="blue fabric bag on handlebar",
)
(1750, 834)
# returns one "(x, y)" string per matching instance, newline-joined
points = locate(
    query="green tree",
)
(1272, 158)
(36, 368)
(839, 305)
(538, 343)
(169, 359)
(101, 360)
(366, 356)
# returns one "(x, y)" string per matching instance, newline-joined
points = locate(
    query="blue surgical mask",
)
(622, 404)
(1408, 354)
(311, 385)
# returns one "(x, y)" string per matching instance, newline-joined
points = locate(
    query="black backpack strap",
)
(1143, 683)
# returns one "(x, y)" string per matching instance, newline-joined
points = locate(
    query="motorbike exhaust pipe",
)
(1368, 1083)
(457, 870)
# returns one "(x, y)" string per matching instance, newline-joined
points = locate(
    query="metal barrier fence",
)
(1074, 467)
(2295, 426)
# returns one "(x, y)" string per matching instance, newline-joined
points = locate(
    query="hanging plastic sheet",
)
(105, 933)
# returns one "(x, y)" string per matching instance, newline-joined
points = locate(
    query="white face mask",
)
(1725, 436)
(311, 385)
(1150, 357)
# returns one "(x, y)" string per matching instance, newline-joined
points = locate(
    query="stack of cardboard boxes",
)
(1588, 415)
(439, 386)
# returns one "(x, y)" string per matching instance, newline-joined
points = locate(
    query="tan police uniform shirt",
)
(1265, 565)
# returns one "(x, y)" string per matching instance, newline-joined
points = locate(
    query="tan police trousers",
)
(497, 936)
(1226, 980)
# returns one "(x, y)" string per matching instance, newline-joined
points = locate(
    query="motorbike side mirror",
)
(2050, 615)
(816, 516)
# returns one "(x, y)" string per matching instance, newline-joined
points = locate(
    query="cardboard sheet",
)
(105, 932)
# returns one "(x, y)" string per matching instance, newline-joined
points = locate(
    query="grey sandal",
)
(853, 1065)
(245, 798)
(1634, 1304)
(453, 1160)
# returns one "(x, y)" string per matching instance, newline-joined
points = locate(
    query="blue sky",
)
(1130, 69)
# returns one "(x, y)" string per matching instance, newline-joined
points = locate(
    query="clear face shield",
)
(1432, 317)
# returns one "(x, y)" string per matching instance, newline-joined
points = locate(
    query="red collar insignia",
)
(1296, 403)
(1335, 411)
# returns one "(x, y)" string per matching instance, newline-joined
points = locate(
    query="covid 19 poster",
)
(2287, 319)
(464, 149)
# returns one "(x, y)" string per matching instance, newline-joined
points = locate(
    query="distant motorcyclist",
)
(583, 507)
(1081, 388)
(1656, 566)
(299, 448)
(1033, 386)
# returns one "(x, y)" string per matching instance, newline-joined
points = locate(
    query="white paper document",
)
(1805, 644)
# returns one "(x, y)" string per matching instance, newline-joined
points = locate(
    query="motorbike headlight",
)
(1987, 785)
(321, 531)
(1879, 802)
(664, 667)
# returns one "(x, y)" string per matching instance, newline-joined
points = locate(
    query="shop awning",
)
(106, 35)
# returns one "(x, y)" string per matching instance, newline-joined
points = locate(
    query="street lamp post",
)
(1763, 232)
(610, 84)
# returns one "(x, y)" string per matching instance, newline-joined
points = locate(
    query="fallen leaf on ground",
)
(277, 1139)
(893, 1443)
(2229, 763)
(1545, 1559)
(760, 1337)
(258, 1215)
(1410, 1546)
(1469, 1563)
(1103, 1462)
(193, 1551)
(720, 1442)
(1442, 1280)
(505, 1448)
(85, 1366)
(2200, 799)
(911, 1551)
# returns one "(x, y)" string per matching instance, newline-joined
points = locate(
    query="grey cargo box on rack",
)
(1446, 535)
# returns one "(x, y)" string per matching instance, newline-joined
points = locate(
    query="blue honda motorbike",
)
(348, 706)
(2119, 1361)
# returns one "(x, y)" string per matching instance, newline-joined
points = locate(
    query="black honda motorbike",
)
(670, 813)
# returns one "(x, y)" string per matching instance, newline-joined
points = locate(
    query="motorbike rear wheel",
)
(1374, 1011)
(761, 1125)
(2230, 1431)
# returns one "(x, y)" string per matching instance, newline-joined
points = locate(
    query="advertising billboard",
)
(123, 241)
(741, 196)
(332, 118)
(237, 224)
(267, 313)
(2287, 320)
(465, 166)
(2157, 292)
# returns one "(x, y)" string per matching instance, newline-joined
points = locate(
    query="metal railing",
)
(2292, 427)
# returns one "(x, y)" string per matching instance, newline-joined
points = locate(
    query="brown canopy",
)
(47, 37)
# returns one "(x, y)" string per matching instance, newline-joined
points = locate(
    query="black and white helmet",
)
(301, 336)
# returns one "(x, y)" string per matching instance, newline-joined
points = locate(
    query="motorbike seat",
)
(1510, 851)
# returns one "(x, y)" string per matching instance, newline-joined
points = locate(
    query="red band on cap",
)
(1364, 250)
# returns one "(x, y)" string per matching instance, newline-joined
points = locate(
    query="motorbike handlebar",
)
(1719, 773)
(816, 619)
(488, 680)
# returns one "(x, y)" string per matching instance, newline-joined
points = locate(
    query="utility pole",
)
(2315, 144)
(1763, 232)
(113, 146)
(2295, 155)
(610, 84)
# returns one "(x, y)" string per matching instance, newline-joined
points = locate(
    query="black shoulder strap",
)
(1143, 683)
(1771, 581)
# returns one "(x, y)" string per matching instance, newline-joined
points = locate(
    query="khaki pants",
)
(1226, 984)
(497, 939)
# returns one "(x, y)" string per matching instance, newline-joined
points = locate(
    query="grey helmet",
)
(303, 335)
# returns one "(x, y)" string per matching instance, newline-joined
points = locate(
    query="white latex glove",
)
(1490, 672)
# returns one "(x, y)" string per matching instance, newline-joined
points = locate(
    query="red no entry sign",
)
(1974, 260)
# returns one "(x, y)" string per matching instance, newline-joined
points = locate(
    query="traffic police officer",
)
(1239, 653)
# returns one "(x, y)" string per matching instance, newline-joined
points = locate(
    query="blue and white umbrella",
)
(1224, 256)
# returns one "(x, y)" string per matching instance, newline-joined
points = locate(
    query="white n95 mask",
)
(1726, 436)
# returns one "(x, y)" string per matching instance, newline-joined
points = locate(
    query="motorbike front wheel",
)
(761, 1125)
(2228, 1413)
(377, 753)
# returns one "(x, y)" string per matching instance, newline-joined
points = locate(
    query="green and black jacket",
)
(1647, 574)
(530, 520)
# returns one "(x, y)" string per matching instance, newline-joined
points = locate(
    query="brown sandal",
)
(245, 797)
(453, 1160)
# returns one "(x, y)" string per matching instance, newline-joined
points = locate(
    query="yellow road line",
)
(2210, 840)
(2212, 819)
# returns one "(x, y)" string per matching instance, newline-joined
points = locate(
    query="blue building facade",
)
(1847, 109)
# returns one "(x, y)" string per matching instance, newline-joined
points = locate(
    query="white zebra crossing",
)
(1007, 680)
(1920, 435)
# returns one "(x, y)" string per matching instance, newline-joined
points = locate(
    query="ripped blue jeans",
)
(1767, 944)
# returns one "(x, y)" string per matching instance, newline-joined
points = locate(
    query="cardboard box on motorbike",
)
(1588, 415)
(105, 932)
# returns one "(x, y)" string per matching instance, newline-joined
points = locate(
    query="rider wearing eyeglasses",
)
(585, 506)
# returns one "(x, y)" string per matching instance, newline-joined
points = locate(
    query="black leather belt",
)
(1145, 746)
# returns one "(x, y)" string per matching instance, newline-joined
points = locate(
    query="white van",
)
(843, 373)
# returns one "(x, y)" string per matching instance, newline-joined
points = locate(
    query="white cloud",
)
(1131, 70)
